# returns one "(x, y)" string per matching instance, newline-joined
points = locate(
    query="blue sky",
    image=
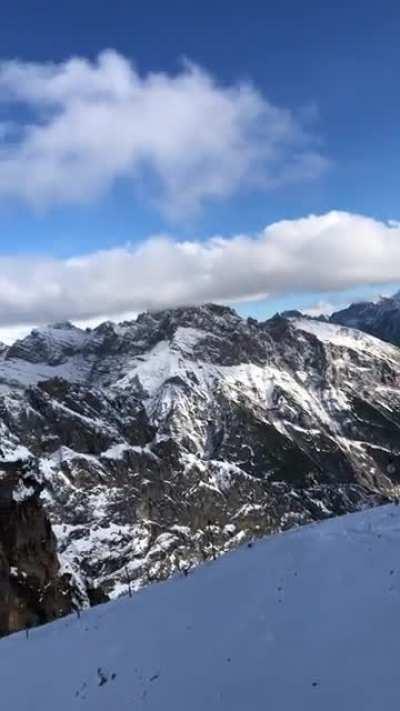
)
(334, 68)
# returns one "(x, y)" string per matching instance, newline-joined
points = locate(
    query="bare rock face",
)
(164, 441)
(32, 590)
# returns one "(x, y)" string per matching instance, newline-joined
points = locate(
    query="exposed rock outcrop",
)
(32, 589)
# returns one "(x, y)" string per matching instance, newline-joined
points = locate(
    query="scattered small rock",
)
(82, 691)
(101, 676)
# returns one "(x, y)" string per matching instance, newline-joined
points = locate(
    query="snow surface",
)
(18, 372)
(305, 620)
(346, 337)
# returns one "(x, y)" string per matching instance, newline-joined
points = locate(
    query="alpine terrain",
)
(380, 318)
(134, 450)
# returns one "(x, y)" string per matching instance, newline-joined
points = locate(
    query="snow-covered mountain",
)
(164, 441)
(380, 318)
(304, 620)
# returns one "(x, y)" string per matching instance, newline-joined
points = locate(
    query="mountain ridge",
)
(164, 441)
(379, 318)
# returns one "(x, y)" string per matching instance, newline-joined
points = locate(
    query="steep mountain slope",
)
(304, 620)
(380, 319)
(161, 442)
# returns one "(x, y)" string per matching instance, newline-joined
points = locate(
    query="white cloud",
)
(180, 139)
(10, 334)
(322, 308)
(332, 252)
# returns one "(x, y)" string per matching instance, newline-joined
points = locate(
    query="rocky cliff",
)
(32, 588)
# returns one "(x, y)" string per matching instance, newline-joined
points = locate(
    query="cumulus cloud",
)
(181, 139)
(320, 253)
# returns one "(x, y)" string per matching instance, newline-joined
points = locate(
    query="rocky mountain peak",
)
(51, 344)
(208, 317)
(380, 318)
(62, 326)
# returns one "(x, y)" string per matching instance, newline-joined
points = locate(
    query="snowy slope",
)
(346, 337)
(304, 620)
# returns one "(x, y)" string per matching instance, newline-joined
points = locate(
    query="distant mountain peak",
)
(186, 314)
(379, 318)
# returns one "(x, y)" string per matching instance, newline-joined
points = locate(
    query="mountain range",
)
(135, 450)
